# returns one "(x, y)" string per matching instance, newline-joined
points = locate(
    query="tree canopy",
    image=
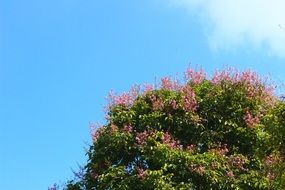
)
(220, 132)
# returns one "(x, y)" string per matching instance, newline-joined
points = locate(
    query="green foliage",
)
(226, 132)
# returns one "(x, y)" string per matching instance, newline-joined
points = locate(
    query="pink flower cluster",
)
(271, 161)
(191, 148)
(222, 150)
(168, 84)
(96, 132)
(141, 173)
(114, 128)
(200, 169)
(255, 86)
(251, 120)
(237, 162)
(170, 142)
(234, 76)
(157, 103)
(225, 75)
(270, 175)
(195, 76)
(148, 88)
(128, 128)
(174, 104)
(197, 168)
(250, 77)
(189, 99)
(141, 138)
(230, 174)
(125, 99)
(214, 165)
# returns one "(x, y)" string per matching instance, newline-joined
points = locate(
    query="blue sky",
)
(60, 58)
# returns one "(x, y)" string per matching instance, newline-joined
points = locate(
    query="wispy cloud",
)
(235, 23)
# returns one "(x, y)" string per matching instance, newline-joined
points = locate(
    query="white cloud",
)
(234, 23)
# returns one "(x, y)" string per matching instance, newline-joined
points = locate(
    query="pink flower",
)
(270, 175)
(229, 74)
(272, 160)
(128, 128)
(250, 77)
(174, 104)
(250, 120)
(219, 77)
(168, 84)
(199, 169)
(114, 128)
(237, 161)
(125, 99)
(96, 131)
(170, 142)
(269, 160)
(222, 150)
(141, 173)
(195, 76)
(157, 103)
(189, 100)
(214, 165)
(148, 88)
(230, 174)
(191, 148)
(141, 138)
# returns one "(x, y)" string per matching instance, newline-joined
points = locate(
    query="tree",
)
(223, 132)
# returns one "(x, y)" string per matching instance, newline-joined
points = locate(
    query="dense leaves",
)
(223, 132)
